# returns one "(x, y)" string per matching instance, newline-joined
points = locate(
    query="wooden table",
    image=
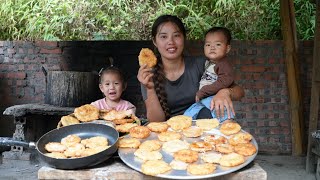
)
(114, 168)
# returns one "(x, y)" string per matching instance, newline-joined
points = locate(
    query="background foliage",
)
(132, 19)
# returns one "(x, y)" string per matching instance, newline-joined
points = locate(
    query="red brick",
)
(287, 139)
(11, 51)
(30, 51)
(261, 116)
(274, 130)
(259, 85)
(276, 51)
(285, 130)
(40, 60)
(253, 69)
(274, 139)
(262, 139)
(260, 123)
(9, 82)
(273, 123)
(20, 67)
(21, 83)
(260, 61)
(284, 123)
(16, 75)
(256, 76)
(272, 61)
(20, 50)
(46, 43)
(271, 115)
(11, 67)
(50, 51)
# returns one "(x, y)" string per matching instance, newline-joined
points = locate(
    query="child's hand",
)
(197, 99)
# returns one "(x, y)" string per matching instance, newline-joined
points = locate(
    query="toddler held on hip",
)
(218, 71)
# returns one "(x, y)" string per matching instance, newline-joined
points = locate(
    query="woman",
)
(170, 88)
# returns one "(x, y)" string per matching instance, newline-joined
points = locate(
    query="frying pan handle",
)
(5, 141)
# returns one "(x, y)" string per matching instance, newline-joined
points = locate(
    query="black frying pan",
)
(85, 130)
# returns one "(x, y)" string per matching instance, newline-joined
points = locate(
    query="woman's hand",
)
(145, 75)
(221, 101)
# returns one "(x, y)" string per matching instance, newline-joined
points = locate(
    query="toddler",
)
(218, 71)
(112, 84)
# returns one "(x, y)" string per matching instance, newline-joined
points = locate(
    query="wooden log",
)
(315, 94)
(71, 89)
(288, 31)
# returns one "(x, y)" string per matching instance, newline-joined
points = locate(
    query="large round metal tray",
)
(128, 157)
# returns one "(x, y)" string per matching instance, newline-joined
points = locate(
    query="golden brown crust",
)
(69, 120)
(57, 155)
(201, 169)
(120, 121)
(179, 122)
(111, 115)
(150, 145)
(155, 167)
(201, 146)
(129, 143)
(140, 132)
(192, 132)
(146, 56)
(207, 124)
(70, 146)
(158, 127)
(245, 149)
(186, 155)
(240, 138)
(74, 151)
(230, 128)
(169, 136)
(224, 148)
(86, 113)
(212, 157)
(175, 145)
(215, 139)
(70, 140)
(124, 128)
(146, 155)
(178, 165)
(95, 142)
(232, 159)
(55, 147)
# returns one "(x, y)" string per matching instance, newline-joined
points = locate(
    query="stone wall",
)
(259, 65)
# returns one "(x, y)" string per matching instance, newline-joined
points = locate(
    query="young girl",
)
(112, 84)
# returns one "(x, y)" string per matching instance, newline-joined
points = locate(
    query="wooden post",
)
(315, 92)
(289, 33)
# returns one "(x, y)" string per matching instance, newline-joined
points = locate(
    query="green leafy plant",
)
(132, 19)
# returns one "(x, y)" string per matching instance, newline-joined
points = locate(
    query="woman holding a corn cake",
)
(169, 87)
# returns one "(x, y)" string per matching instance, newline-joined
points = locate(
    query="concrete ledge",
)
(42, 109)
(116, 169)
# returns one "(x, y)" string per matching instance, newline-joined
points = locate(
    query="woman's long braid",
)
(159, 84)
(159, 78)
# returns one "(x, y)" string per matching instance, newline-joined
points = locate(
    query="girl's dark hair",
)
(159, 76)
(226, 32)
(114, 70)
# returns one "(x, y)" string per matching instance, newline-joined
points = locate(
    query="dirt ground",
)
(277, 167)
